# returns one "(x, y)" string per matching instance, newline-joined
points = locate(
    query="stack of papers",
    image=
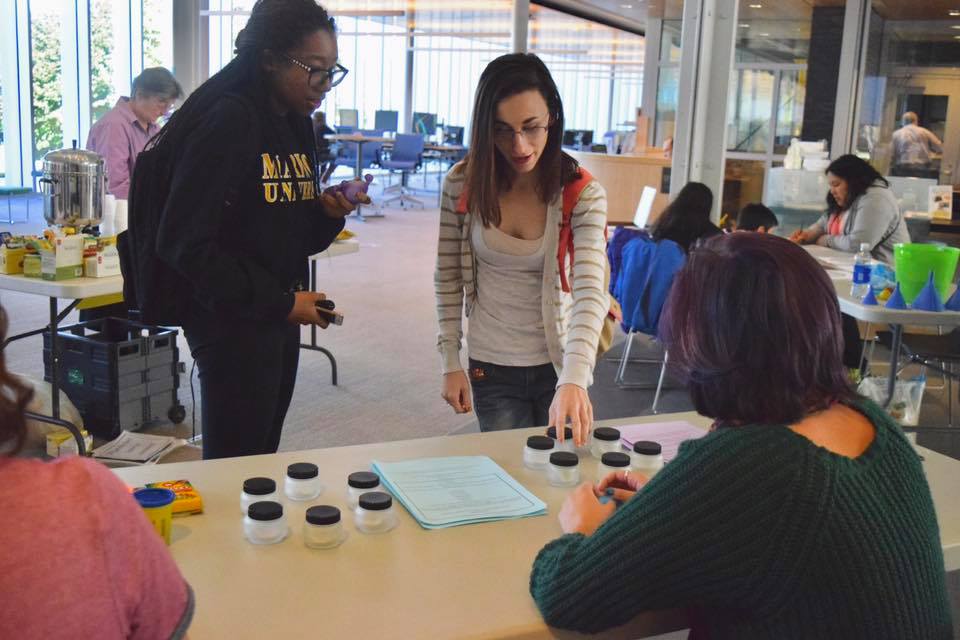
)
(668, 434)
(136, 448)
(448, 492)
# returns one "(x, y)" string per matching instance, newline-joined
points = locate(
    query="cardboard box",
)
(11, 260)
(105, 263)
(32, 264)
(60, 442)
(65, 261)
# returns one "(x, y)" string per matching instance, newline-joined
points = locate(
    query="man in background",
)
(913, 147)
(122, 133)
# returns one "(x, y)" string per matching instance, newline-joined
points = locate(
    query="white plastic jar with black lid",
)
(374, 513)
(257, 490)
(359, 483)
(265, 523)
(567, 444)
(647, 457)
(611, 462)
(536, 453)
(564, 469)
(605, 440)
(302, 481)
(322, 528)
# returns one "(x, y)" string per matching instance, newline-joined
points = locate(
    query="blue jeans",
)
(511, 397)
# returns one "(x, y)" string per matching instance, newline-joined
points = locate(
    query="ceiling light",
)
(744, 25)
(956, 26)
(764, 35)
(954, 12)
(626, 6)
(756, 6)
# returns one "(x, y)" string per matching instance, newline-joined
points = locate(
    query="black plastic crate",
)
(118, 373)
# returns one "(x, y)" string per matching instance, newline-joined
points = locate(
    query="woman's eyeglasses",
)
(532, 133)
(318, 76)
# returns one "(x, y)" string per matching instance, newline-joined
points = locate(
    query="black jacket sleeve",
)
(195, 213)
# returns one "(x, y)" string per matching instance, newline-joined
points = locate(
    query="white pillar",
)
(191, 44)
(651, 74)
(853, 56)
(709, 38)
(17, 121)
(520, 15)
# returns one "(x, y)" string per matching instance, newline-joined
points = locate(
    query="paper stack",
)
(136, 448)
(448, 492)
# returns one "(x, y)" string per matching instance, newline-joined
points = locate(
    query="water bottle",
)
(861, 271)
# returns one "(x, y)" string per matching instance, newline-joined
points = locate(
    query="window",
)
(46, 67)
(157, 33)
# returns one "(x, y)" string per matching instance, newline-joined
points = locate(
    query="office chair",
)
(386, 120)
(643, 281)
(405, 157)
(937, 352)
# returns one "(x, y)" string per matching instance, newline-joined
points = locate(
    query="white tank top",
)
(506, 325)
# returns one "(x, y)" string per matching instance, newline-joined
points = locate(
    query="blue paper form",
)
(453, 491)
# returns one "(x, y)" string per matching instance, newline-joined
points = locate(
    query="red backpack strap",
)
(571, 195)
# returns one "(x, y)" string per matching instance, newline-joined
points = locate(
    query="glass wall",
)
(46, 71)
(912, 65)
(157, 34)
(598, 69)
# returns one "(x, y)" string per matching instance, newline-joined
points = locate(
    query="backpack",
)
(162, 295)
(571, 195)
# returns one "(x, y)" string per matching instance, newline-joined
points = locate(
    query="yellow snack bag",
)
(187, 500)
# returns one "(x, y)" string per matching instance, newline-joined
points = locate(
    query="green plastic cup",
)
(914, 262)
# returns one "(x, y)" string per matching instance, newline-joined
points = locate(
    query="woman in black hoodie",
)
(243, 215)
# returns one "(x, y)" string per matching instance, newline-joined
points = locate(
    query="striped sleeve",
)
(590, 299)
(448, 275)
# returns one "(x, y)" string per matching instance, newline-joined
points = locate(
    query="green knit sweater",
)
(763, 534)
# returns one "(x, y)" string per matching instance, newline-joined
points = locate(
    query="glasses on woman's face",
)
(532, 133)
(318, 76)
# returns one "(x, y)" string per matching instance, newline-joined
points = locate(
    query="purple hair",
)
(752, 325)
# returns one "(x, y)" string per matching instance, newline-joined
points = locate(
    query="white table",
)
(75, 289)
(338, 248)
(410, 583)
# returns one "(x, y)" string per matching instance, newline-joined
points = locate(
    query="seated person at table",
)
(861, 208)
(686, 220)
(80, 559)
(804, 513)
(756, 217)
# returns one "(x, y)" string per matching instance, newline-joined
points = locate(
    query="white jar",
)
(374, 513)
(567, 444)
(536, 454)
(302, 481)
(564, 469)
(257, 490)
(359, 483)
(265, 523)
(605, 440)
(647, 457)
(611, 462)
(322, 528)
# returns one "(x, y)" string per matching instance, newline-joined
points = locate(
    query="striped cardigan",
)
(572, 321)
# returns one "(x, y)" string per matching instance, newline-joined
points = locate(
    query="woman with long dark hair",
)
(243, 215)
(686, 220)
(861, 209)
(119, 582)
(804, 513)
(532, 341)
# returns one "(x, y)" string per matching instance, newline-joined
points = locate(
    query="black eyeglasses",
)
(318, 76)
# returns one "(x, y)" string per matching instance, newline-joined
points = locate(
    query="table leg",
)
(897, 340)
(313, 346)
(54, 360)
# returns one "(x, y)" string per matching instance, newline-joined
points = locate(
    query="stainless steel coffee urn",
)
(73, 187)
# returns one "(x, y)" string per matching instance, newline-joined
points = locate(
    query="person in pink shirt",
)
(122, 133)
(80, 559)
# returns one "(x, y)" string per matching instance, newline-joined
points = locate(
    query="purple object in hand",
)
(351, 189)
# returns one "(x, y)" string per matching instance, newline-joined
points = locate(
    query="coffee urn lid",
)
(73, 161)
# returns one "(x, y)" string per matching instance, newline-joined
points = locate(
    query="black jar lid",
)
(607, 434)
(259, 486)
(540, 443)
(615, 459)
(323, 514)
(376, 501)
(265, 511)
(567, 433)
(363, 480)
(564, 459)
(647, 448)
(302, 471)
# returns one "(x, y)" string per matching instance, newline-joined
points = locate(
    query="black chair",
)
(938, 353)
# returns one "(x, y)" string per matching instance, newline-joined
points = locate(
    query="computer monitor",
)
(570, 138)
(424, 123)
(348, 117)
(386, 120)
(586, 138)
(453, 135)
(643, 207)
